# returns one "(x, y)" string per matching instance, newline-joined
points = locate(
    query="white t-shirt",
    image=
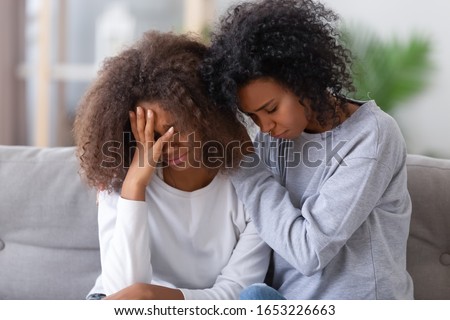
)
(201, 242)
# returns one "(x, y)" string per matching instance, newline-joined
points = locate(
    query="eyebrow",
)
(261, 107)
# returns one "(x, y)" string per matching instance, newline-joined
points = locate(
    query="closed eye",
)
(272, 110)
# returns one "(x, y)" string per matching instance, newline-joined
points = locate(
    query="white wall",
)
(424, 119)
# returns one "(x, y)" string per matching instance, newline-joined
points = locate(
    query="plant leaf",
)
(388, 71)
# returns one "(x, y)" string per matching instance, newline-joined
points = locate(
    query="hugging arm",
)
(310, 236)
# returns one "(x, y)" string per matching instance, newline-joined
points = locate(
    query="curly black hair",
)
(294, 42)
(162, 68)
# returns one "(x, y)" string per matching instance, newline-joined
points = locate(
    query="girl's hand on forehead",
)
(147, 154)
(143, 126)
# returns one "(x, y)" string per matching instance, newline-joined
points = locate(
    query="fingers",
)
(140, 124)
(143, 126)
(166, 136)
(159, 144)
(133, 125)
(149, 127)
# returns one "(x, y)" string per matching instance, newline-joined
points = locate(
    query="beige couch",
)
(48, 226)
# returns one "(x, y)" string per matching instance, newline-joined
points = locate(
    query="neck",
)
(189, 179)
(342, 113)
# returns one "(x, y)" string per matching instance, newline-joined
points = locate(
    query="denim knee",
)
(260, 291)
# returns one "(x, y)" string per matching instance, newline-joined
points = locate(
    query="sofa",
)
(48, 226)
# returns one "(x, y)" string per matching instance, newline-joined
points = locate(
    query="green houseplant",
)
(388, 70)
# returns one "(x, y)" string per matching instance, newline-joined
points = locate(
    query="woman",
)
(152, 143)
(339, 222)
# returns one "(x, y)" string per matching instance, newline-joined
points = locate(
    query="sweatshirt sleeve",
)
(310, 236)
(247, 265)
(124, 242)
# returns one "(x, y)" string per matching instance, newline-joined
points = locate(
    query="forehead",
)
(257, 93)
(161, 116)
(154, 106)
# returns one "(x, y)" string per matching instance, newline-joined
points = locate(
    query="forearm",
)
(133, 188)
(310, 236)
(145, 291)
(279, 223)
(124, 245)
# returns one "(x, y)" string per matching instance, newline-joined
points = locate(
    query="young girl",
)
(170, 223)
(339, 221)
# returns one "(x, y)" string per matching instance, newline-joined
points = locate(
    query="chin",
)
(179, 167)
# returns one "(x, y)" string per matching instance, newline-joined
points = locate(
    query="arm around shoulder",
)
(310, 236)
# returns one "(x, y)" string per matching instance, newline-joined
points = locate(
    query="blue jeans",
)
(260, 291)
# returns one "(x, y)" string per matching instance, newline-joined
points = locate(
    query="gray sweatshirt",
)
(338, 217)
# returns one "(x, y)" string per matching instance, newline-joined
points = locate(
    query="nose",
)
(265, 124)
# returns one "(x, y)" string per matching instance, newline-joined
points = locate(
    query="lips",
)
(279, 136)
(172, 160)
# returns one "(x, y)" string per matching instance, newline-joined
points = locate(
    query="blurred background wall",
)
(425, 117)
(51, 50)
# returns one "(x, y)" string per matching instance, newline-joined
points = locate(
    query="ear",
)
(307, 109)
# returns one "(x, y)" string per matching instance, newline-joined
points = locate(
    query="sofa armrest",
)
(48, 225)
(428, 255)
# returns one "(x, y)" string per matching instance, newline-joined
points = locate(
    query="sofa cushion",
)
(49, 238)
(48, 225)
(428, 256)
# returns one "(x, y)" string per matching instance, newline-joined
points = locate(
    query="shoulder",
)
(372, 123)
(389, 136)
(385, 122)
(370, 116)
(239, 214)
(373, 134)
(107, 197)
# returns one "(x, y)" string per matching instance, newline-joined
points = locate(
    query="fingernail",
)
(149, 113)
(170, 130)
